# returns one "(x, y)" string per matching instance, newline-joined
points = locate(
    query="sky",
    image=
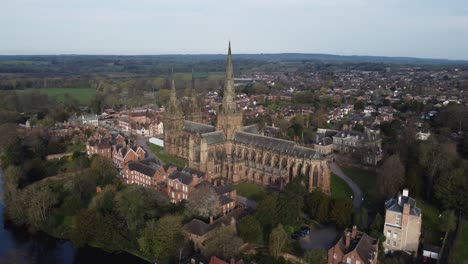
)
(410, 28)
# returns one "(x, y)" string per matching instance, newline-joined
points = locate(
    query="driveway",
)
(357, 197)
(319, 238)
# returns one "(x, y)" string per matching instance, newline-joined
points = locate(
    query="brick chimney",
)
(211, 219)
(348, 239)
(354, 232)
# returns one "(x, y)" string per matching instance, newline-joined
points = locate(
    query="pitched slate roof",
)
(214, 137)
(197, 227)
(253, 129)
(193, 127)
(276, 145)
(393, 205)
(184, 177)
(142, 168)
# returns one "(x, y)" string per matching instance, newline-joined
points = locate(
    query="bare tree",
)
(203, 200)
(391, 177)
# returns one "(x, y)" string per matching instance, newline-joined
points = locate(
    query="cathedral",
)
(235, 152)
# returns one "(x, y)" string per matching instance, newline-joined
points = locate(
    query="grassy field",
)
(159, 152)
(459, 254)
(251, 191)
(76, 147)
(366, 180)
(83, 95)
(430, 222)
(339, 188)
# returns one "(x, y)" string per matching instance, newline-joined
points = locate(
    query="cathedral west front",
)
(235, 152)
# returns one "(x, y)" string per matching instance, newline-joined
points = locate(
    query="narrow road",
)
(357, 197)
(142, 142)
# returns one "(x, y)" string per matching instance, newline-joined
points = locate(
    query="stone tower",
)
(173, 122)
(229, 117)
(195, 110)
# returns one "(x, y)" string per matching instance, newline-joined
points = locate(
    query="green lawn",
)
(251, 191)
(430, 222)
(83, 95)
(339, 188)
(76, 147)
(159, 152)
(367, 181)
(459, 254)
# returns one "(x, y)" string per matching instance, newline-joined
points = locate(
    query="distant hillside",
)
(204, 57)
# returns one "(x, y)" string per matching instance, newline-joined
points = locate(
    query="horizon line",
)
(234, 54)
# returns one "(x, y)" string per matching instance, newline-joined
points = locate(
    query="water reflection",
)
(17, 246)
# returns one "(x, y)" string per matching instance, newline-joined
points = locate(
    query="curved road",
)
(357, 197)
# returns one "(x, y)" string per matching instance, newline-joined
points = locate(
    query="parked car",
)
(295, 236)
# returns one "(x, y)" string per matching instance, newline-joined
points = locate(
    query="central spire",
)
(229, 89)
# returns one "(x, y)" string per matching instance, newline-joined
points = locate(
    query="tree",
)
(448, 221)
(378, 222)
(317, 205)
(84, 227)
(316, 256)
(250, 230)
(359, 105)
(278, 240)
(266, 213)
(42, 199)
(224, 243)
(391, 177)
(341, 211)
(291, 202)
(203, 201)
(452, 187)
(131, 207)
(363, 218)
(104, 170)
(434, 157)
(160, 238)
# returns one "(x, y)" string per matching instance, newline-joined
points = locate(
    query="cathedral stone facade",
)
(235, 152)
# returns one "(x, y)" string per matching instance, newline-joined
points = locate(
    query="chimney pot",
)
(405, 192)
(354, 232)
(348, 239)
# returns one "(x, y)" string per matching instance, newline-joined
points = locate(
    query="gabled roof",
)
(182, 176)
(364, 245)
(193, 127)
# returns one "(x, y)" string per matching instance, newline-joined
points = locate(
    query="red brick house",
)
(180, 183)
(123, 154)
(354, 247)
(146, 173)
(101, 148)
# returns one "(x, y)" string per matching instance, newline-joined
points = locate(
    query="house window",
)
(394, 243)
(389, 234)
(388, 242)
(395, 235)
(397, 222)
(335, 256)
(358, 262)
(348, 260)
